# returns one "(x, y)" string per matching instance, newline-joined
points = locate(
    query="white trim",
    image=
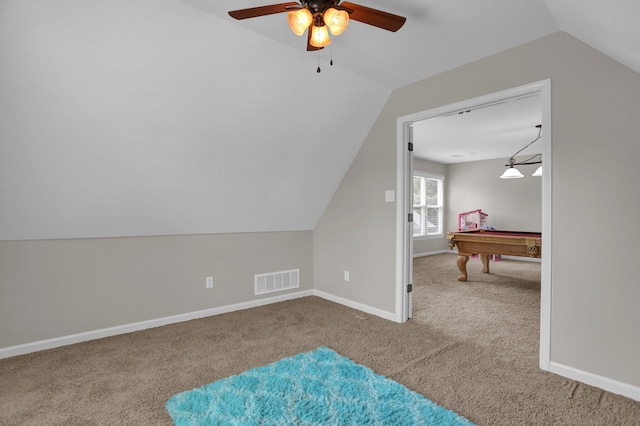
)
(429, 237)
(522, 259)
(544, 89)
(440, 206)
(159, 322)
(403, 162)
(428, 175)
(610, 385)
(355, 305)
(143, 325)
(431, 253)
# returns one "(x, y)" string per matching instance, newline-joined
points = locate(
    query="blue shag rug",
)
(319, 387)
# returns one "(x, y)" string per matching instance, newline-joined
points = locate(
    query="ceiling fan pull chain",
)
(331, 61)
(318, 70)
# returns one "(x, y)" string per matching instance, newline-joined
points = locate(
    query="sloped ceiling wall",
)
(160, 117)
(143, 118)
(609, 26)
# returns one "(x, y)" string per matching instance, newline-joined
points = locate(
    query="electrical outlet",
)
(209, 282)
(346, 275)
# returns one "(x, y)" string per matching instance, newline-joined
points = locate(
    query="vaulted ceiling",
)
(157, 117)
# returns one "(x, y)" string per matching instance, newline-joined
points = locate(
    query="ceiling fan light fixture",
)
(319, 36)
(336, 20)
(299, 20)
(309, 16)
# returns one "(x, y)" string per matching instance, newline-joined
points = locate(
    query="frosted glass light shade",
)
(299, 20)
(538, 172)
(511, 173)
(319, 36)
(336, 20)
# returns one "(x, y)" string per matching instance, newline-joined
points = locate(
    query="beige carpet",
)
(471, 347)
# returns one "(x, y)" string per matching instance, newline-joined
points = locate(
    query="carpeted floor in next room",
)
(471, 347)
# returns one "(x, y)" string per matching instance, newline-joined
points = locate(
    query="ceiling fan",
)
(318, 17)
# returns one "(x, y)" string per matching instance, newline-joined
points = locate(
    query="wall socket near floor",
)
(346, 275)
(209, 282)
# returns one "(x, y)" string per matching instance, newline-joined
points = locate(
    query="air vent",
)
(277, 281)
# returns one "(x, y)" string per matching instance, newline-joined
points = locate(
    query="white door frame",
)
(404, 247)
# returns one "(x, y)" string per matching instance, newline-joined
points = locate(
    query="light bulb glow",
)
(299, 20)
(319, 36)
(336, 20)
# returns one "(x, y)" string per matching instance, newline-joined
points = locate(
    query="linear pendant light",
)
(512, 172)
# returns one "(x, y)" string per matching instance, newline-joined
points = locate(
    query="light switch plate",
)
(390, 196)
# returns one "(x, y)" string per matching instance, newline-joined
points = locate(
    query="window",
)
(427, 204)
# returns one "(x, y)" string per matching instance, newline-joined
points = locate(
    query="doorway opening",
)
(404, 227)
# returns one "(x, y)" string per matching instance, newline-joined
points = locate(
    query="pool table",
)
(487, 242)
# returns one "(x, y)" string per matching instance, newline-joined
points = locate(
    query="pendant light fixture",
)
(512, 172)
(538, 172)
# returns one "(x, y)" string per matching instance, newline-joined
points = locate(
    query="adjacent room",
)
(470, 158)
(204, 212)
(459, 163)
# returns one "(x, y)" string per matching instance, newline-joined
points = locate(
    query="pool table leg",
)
(485, 263)
(462, 266)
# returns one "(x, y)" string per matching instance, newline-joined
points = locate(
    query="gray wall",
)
(357, 230)
(595, 127)
(60, 287)
(55, 288)
(511, 204)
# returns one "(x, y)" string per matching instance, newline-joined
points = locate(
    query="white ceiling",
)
(437, 36)
(155, 117)
(494, 131)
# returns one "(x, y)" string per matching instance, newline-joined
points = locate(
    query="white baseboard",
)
(159, 322)
(610, 385)
(143, 325)
(523, 259)
(391, 316)
(432, 253)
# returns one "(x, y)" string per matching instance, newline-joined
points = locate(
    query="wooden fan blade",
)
(311, 48)
(254, 12)
(377, 18)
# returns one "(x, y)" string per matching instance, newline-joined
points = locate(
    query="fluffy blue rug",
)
(319, 387)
